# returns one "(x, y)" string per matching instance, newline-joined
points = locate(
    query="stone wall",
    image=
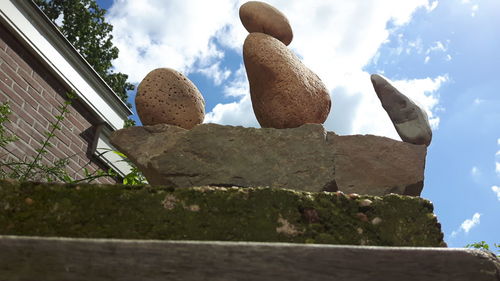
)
(34, 95)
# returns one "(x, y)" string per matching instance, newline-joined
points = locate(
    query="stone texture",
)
(165, 96)
(304, 158)
(261, 17)
(284, 92)
(409, 119)
(214, 213)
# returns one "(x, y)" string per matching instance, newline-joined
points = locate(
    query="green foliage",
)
(483, 246)
(4, 117)
(85, 27)
(129, 123)
(35, 170)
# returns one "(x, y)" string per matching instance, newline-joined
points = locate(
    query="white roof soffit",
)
(34, 29)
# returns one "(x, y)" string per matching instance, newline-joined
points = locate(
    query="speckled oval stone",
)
(261, 17)
(165, 96)
(285, 93)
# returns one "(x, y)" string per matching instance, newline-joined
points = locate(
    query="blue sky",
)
(442, 54)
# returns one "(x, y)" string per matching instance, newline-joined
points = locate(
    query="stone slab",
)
(61, 259)
(305, 158)
(215, 213)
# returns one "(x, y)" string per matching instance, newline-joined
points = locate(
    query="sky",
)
(442, 54)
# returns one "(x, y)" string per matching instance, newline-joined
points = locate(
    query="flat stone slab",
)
(216, 213)
(61, 259)
(305, 158)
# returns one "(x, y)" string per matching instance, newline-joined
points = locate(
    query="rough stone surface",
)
(214, 213)
(261, 17)
(304, 158)
(165, 96)
(284, 92)
(409, 119)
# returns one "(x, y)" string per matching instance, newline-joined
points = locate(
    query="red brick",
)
(27, 97)
(74, 147)
(23, 115)
(27, 77)
(75, 122)
(44, 84)
(8, 60)
(40, 99)
(8, 94)
(20, 61)
(34, 114)
(13, 75)
(5, 79)
(62, 136)
(35, 136)
(15, 130)
(50, 116)
(57, 153)
(28, 150)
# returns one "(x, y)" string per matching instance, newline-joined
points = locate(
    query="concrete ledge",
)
(33, 258)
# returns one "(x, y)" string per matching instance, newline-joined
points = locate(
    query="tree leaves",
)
(85, 28)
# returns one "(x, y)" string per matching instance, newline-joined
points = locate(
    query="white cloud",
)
(215, 73)
(176, 34)
(475, 171)
(235, 113)
(448, 57)
(438, 46)
(336, 39)
(467, 225)
(474, 10)
(478, 101)
(496, 190)
(430, 7)
(426, 60)
(497, 168)
(465, 1)
(59, 20)
(498, 141)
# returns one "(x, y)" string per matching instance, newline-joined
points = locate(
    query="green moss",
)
(215, 213)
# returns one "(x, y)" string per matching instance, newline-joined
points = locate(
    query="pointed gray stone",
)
(409, 119)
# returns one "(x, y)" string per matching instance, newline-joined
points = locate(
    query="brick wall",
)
(34, 95)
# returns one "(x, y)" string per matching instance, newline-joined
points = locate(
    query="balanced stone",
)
(258, 16)
(284, 92)
(165, 96)
(409, 119)
(306, 158)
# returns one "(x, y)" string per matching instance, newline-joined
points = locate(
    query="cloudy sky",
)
(442, 54)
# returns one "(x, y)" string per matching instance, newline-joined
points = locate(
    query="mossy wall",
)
(215, 213)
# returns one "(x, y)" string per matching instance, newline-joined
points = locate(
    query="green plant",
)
(84, 26)
(483, 246)
(4, 117)
(35, 169)
(135, 177)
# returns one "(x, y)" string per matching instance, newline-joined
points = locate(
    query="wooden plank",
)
(32, 258)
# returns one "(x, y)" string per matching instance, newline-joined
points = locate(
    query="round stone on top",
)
(165, 96)
(261, 17)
